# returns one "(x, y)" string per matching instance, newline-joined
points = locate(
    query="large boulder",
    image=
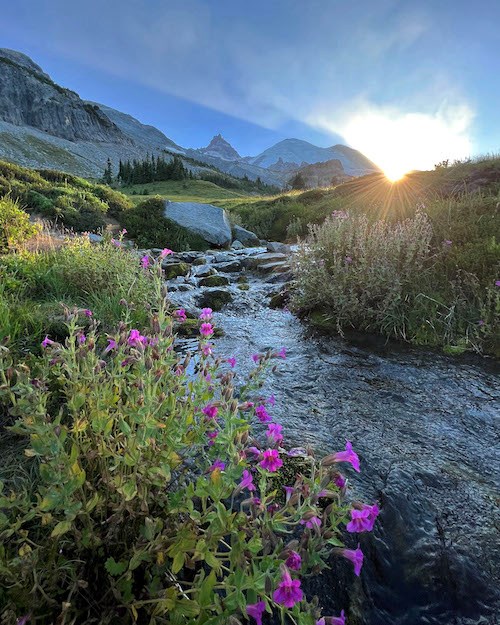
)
(246, 237)
(207, 221)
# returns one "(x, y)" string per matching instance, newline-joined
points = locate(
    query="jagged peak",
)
(22, 59)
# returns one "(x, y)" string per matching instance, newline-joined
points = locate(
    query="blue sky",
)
(326, 71)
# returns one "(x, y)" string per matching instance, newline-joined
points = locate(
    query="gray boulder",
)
(245, 236)
(237, 245)
(280, 248)
(208, 221)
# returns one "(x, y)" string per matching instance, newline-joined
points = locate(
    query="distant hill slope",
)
(45, 125)
(302, 153)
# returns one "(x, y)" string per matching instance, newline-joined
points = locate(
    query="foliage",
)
(147, 224)
(396, 279)
(75, 202)
(15, 226)
(150, 169)
(137, 499)
(98, 277)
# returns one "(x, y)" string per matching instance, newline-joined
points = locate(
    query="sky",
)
(408, 83)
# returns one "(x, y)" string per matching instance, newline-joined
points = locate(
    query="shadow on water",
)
(426, 429)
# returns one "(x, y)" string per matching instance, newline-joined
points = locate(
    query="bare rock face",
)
(28, 97)
(208, 221)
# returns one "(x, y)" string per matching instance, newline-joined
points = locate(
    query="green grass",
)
(188, 191)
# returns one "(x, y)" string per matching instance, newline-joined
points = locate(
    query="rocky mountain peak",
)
(22, 60)
(218, 146)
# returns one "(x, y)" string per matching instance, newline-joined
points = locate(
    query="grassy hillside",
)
(70, 200)
(188, 191)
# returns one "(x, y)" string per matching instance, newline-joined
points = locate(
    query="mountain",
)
(323, 174)
(44, 125)
(219, 147)
(299, 153)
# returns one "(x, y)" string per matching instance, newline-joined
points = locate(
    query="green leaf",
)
(178, 562)
(137, 559)
(128, 490)
(206, 590)
(115, 568)
(61, 528)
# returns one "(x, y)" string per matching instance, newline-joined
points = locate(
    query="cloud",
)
(400, 140)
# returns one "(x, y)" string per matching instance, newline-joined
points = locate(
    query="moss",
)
(287, 475)
(216, 280)
(243, 287)
(191, 329)
(215, 299)
(173, 270)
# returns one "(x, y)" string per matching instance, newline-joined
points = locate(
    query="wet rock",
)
(237, 245)
(252, 262)
(173, 270)
(244, 286)
(223, 257)
(95, 238)
(215, 280)
(214, 298)
(230, 267)
(244, 236)
(189, 257)
(203, 271)
(205, 220)
(281, 248)
(273, 267)
(183, 287)
(201, 260)
(279, 300)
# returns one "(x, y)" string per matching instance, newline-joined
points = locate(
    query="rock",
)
(244, 286)
(183, 287)
(278, 300)
(95, 238)
(172, 270)
(278, 267)
(214, 298)
(276, 247)
(253, 262)
(245, 237)
(223, 257)
(208, 221)
(242, 279)
(237, 245)
(203, 271)
(230, 267)
(201, 260)
(189, 257)
(214, 281)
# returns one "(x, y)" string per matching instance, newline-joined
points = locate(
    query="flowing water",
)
(426, 428)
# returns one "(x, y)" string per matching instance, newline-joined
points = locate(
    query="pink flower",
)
(271, 460)
(135, 338)
(207, 349)
(46, 342)
(274, 432)
(356, 557)
(206, 329)
(256, 610)
(256, 358)
(218, 464)
(232, 362)
(282, 353)
(180, 315)
(447, 243)
(254, 450)
(247, 481)
(294, 561)
(111, 345)
(271, 400)
(211, 437)
(145, 261)
(349, 455)
(165, 252)
(87, 312)
(123, 231)
(288, 592)
(206, 314)
(81, 338)
(348, 260)
(480, 322)
(363, 520)
(311, 523)
(289, 490)
(339, 480)
(22, 620)
(497, 283)
(262, 414)
(210, 411)
(338, 620)
(116, 243)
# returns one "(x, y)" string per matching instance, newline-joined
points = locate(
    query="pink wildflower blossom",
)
(356, 557)
(271, 460)
(111, 345)
(206, 314)
(46, 342)
(274, 432)
(211, 437)
(447, 243)
(348, 260)
(207, 349)
(145, 261)
(87, 312)
(289, 490)
(247, 481)
(311, 523)
(232, 362)
(81, 338)
(254, 450)
(294, 561)
(116, 243)
(340, 481)
(338, 620)
(256, 610)
(206, 329)
(218, 464)
(210, 411)
(349, 455)
(256, 358)
(497, 283)
(271, 400)
(262, 414)
(180, 315)
(288, 592)
(135, 338)
(363, 520)
(165, 252)
(282, 353)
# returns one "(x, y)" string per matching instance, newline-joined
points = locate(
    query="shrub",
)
(148, 226)
(15, 226)
(138, 500)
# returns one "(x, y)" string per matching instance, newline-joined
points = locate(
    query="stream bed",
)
(426, 428)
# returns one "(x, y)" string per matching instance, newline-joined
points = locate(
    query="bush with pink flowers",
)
(144, 497)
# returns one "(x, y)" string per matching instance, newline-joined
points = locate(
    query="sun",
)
(394, 173)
